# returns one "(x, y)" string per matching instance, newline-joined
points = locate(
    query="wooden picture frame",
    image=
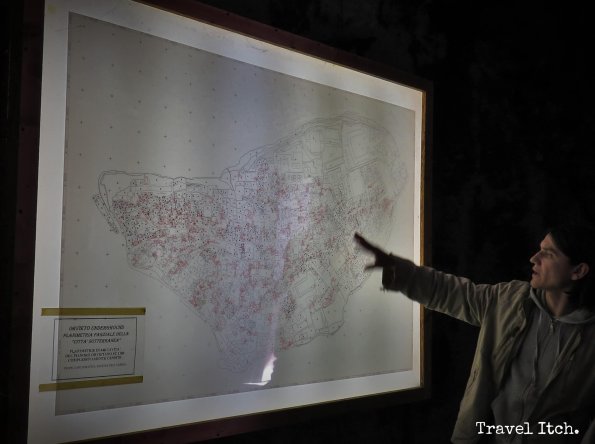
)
(164, 101)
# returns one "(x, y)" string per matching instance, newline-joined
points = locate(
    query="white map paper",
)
(224, 197)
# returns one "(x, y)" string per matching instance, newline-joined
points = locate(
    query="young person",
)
(533, 374)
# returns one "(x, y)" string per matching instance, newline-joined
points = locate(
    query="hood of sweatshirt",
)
(576, 317)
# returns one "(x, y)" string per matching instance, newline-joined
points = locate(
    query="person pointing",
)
(533, 374)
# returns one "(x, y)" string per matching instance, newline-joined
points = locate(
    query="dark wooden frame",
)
(23, 99)
(24, 240)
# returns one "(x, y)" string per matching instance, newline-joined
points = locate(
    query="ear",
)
(580, 271)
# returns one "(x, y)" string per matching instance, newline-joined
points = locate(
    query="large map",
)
(222, 197)
(263, 253)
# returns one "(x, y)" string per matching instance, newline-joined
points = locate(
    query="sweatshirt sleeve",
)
(452, 295)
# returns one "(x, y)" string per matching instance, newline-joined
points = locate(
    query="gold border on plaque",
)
(69, 385)
(94, 311)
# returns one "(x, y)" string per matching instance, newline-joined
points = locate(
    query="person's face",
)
(552, 269)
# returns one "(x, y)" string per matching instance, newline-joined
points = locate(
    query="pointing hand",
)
(381, 258)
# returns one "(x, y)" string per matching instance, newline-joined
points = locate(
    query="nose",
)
(535, 259)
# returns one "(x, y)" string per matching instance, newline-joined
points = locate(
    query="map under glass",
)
(263, 253)
(228, 210)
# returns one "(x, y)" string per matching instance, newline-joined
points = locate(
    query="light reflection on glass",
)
(267, 372)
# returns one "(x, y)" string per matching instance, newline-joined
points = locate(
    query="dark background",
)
(512, 154)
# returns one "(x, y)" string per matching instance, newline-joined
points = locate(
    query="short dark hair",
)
(577, 242)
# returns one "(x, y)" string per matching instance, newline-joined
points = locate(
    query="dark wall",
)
(512, 154)
(10, 57)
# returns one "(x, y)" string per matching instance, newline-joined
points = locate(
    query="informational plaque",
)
(91, 347)
(94, 347)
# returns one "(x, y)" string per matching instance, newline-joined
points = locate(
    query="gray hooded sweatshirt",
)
(531, 369)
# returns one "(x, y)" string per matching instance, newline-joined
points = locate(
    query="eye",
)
(549, 253)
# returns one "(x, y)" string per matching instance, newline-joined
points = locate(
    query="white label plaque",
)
(94, 347)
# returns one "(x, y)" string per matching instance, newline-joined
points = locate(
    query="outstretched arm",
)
(449, 294)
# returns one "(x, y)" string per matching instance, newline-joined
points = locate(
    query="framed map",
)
(199, 187)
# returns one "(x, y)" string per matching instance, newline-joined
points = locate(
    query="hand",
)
(381, 257)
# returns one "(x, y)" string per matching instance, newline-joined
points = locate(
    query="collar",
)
(576, 317)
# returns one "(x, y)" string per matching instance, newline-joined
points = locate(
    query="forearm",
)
(446, 293)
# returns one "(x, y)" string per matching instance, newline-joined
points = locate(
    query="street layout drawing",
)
(264, 253)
